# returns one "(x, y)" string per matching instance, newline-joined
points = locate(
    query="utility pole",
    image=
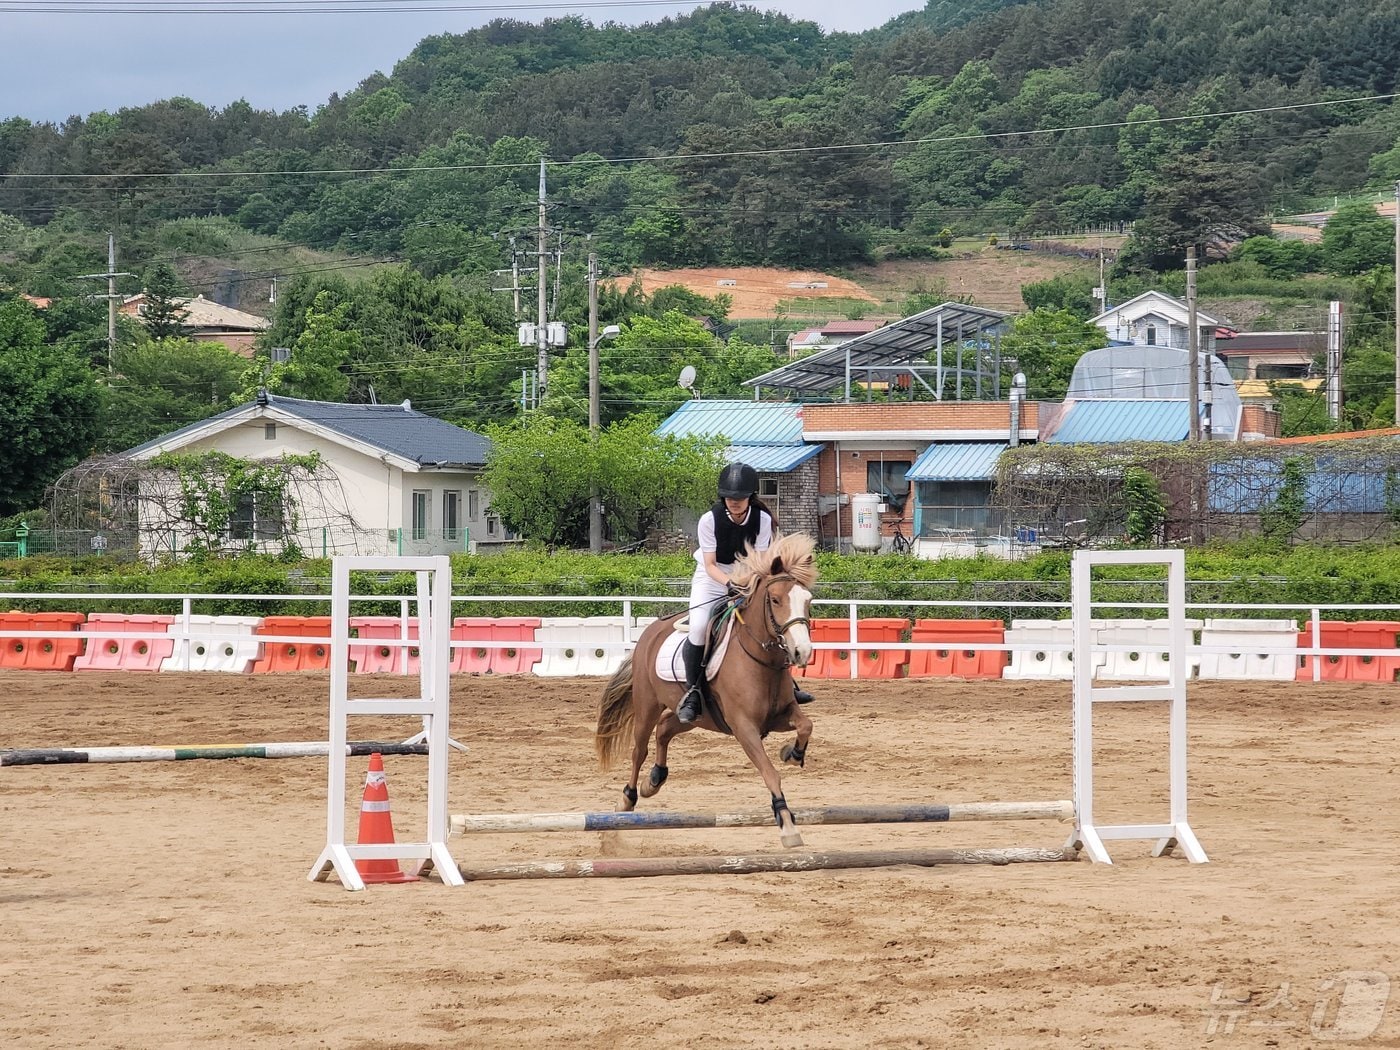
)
(1397, 303)
(595, 506)
(595, 512)
(1193, 348)
(542, 317)
(112, 298)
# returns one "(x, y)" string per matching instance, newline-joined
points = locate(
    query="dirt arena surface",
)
(756, 289)
(160, 905)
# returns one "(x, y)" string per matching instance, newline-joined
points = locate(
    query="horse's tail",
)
(614, 715)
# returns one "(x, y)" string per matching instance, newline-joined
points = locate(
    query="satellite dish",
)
(687, 378)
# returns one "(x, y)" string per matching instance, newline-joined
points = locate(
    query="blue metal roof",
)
(426, 440)
(958, 461)
(771, 459)
(1105, 422)
(742, 422)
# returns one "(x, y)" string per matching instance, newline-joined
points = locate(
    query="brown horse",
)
(752, 689)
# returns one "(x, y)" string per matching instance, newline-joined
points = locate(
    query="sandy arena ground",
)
(165, 904)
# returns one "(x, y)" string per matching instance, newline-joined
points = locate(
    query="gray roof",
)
(395, 429)
(898, 348)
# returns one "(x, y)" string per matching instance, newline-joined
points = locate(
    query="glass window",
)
(257, 515)
(887, 480)
(473, 505)
(1152, 335)
(270, 431)
(452, 515)
(420, 513)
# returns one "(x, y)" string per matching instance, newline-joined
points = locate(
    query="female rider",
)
(738, 519)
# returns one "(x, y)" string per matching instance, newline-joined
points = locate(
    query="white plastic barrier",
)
(1034, 655)
(1148, 660)
(216, 643)
(560, 639)
(602, 644)
(1251, 640)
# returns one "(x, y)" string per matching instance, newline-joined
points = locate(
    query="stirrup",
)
(801, 695)
(688, 710)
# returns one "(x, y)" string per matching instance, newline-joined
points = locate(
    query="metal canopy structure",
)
(917, 346)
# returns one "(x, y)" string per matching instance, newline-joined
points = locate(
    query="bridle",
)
(773, 644)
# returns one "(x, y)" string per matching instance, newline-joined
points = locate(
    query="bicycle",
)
(900, 543)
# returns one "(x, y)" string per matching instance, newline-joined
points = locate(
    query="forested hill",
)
(709, 137)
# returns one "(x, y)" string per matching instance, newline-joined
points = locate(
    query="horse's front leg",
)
(796, 753)
(751, 741)
(666, 730)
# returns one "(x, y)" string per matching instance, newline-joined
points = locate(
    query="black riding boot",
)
(693, 657)
(801, 695)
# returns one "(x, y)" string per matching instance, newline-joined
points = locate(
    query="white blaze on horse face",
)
(798, 639)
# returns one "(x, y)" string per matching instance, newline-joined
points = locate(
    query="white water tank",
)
(865, 521)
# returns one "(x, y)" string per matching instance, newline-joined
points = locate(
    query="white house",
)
(390, 481)
(1157, 319)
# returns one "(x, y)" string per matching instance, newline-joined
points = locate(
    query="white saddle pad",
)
(669, 667)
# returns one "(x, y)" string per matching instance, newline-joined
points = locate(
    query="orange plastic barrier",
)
(472, 659)
(1376, 634)
(828, 663)
(519, 660)
(149, 643)
(294, 656)
(48, 650)
(953, 660)
(369, 656)
(1339, 634)
(882, 663)
(507, 660)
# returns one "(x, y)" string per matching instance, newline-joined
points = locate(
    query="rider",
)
(738, 519)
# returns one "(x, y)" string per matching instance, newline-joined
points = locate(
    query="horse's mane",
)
(792, 554)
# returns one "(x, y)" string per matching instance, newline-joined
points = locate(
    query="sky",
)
(56, 65)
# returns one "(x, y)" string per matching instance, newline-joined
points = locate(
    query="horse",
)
(750, 693)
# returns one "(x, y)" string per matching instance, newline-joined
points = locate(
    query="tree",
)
(315, 370)
(49, 406)
(541, 474)
(1046, 344)
(165, 385)
(1357, 239)
(161, 312)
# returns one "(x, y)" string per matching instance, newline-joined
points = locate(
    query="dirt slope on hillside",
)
(756, 290)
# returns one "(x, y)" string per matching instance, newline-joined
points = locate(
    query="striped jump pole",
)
(506, 823)
(62, 756)
(748, 864)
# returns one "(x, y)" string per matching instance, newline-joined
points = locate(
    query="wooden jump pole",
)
(507, 823)
(748, 864)
(61, 756)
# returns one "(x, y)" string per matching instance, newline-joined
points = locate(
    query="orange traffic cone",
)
(377, 827)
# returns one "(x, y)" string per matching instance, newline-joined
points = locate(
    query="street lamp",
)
(595, 508)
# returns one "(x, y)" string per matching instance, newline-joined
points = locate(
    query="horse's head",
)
(781, 578)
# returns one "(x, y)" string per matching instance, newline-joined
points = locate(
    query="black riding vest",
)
(730, 539)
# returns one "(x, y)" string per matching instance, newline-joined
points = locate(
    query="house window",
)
(473, 505)
(887, 480)
(420, 513)
(257, 516)
(768, 493)
(452, 515)
(1152, 335)
(270, 431)
(957, 508)
(491, 524)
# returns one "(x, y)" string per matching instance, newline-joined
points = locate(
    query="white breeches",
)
(705, 594)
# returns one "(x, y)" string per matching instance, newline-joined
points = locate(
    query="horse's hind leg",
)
(752, 743)
(668, 728)
(641, 733)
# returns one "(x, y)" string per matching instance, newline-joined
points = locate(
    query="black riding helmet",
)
(738, 481)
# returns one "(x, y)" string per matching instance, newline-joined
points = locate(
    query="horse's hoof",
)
(793, 756)
(654, 780)
(791, 839)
